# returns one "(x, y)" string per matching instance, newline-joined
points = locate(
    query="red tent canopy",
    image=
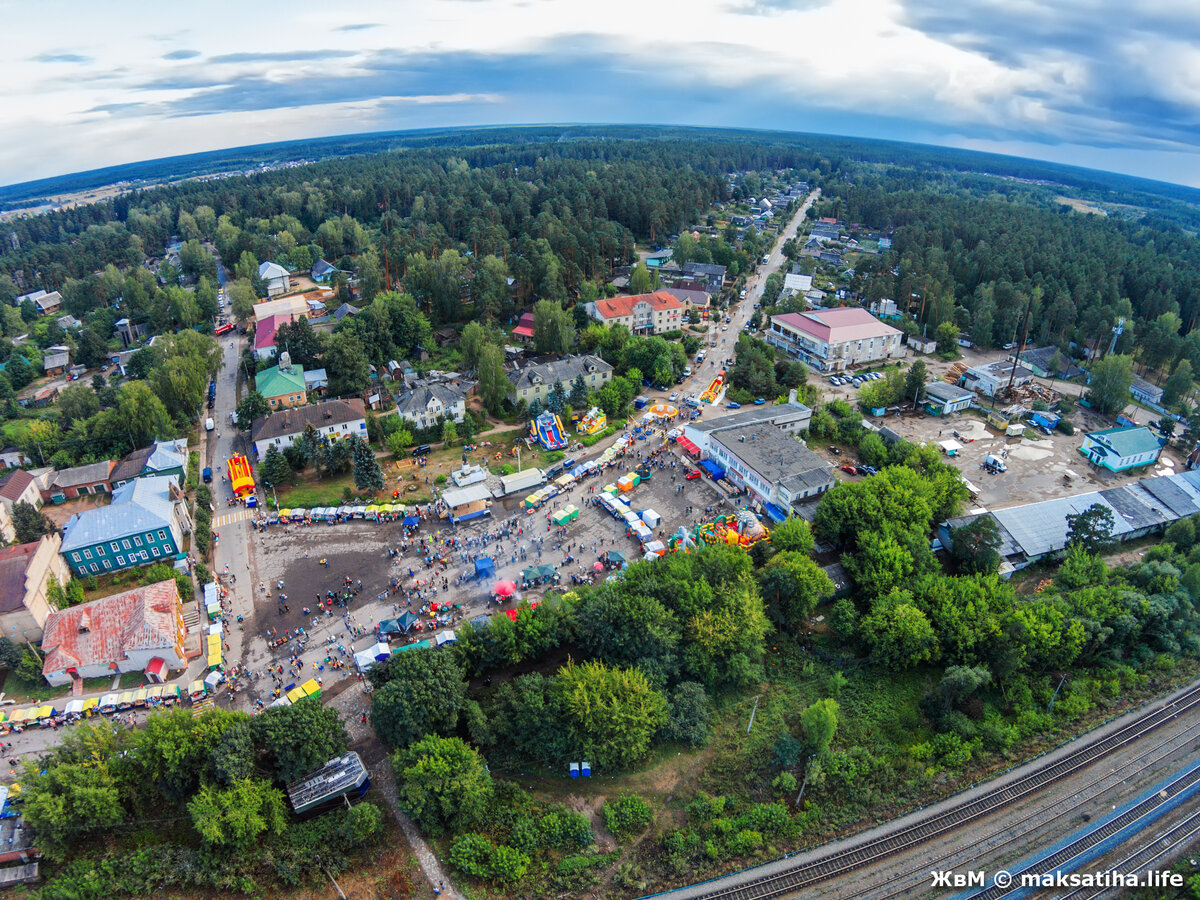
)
(688, 446)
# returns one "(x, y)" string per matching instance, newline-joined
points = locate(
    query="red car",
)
(692, 473)
(849, 469)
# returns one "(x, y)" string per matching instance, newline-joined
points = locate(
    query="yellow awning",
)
(311, 687)
(296, 694)
(91, 703)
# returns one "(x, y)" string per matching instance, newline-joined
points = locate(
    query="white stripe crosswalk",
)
(237, 516)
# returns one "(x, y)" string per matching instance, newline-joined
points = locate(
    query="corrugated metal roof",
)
(1137, 506)
(1041, 528)
(1173, 493)
(137, 507)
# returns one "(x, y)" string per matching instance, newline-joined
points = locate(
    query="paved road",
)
(721, 338)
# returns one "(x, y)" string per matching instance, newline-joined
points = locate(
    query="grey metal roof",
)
(1041, 528)
(471, 494)
(1137, 506)
(756, 415)
(137, 507)
(771, 453)
(1008, 544)
(563, 370)
(946, 392)
(1173, 492)
(418, 398)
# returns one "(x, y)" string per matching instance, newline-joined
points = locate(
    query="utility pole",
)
(1118, 330)
(1020, 346)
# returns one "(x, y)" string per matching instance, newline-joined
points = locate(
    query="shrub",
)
(471, 854)
(563, 827)
(628, 815)
(441, 479)
(1066, 426)
(508, 864)
(745, 841)
(784, 783)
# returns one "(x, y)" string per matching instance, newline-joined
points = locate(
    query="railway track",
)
(1012, 831)
(1060, 858)
(1177, 839)
(751, 886)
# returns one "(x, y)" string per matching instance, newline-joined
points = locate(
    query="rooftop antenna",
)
(1118, 330)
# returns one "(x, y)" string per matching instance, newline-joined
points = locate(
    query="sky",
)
(1100, 83)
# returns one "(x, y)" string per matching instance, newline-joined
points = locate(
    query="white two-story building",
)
(640, 313)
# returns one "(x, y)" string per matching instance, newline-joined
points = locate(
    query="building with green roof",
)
(282, 386)
(1122, 449)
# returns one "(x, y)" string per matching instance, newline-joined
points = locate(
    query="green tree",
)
(579, 392)
(493, 380)
(1111, 378)
(793, 535)
(640, 279)
(819, 723)
(69, 803)
(30, 523)
(553, 328)
(975, 546)
(914, 382)
(236, 816)
(610, 715)
(471, 343)
(347, 364)
(19, 371)
(417, 693)
(275, 470)
(449, 433)
(627, 815)
(946, 336)
(689, 708)
(367, 474)
(10, 653)
(1179, 385)
(399, 441)
(899, 634)
(1092, 530)
(299, 738)
(252, 407)
(173, 750)
(142, 414)
(443, 783)
(241, 300)
(792, 584)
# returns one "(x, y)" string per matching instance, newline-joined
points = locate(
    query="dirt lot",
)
(359, 550)
(1036, 463)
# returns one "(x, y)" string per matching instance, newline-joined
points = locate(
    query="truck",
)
(995, 463)
(521, 481)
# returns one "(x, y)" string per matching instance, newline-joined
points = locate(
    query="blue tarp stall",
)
(409, 521)
(401, 625)
(481, 622)
(485, 567)
(712, 469)
(408, 621)
(775, 513)
(388, 626)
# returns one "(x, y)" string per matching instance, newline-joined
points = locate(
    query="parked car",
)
(833, 379)
(692, 473)
(687, 370)
(760, 401)
(836, 451)
(673, 397)
(861, 470)
(733, 404)
(849, 469)
(869, 470)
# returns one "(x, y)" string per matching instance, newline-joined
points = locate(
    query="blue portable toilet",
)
(586, 768)
(574, 770)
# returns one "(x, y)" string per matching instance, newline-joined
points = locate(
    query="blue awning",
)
(411, 520)
(712, 469)
(775, 513)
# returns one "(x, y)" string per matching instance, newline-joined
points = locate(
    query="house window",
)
(87, 554)
(115, 546)
(154, 550)
(108, 564)
(81, 490)
(162, 535)
(125, 543)
(95, 568)
(120, 560)
(137, 540)
(74, 557)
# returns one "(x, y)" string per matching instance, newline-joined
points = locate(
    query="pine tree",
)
(579, 391)
(367, 474)
(557, 400)
(275, 469)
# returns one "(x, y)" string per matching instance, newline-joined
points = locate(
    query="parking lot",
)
(359, 551)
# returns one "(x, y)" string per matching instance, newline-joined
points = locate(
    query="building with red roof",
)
(640, 313)
(524, 329)
(126, 632)
(833, 340)
(264, 334)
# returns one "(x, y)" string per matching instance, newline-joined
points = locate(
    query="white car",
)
(673, 397)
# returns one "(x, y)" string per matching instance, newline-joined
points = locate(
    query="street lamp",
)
(273, 497)
(30, 643)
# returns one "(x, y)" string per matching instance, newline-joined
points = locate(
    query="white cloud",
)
(98, 81)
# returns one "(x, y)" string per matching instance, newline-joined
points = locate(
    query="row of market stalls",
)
(382, 512)
(560, 485)
(80, 708)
